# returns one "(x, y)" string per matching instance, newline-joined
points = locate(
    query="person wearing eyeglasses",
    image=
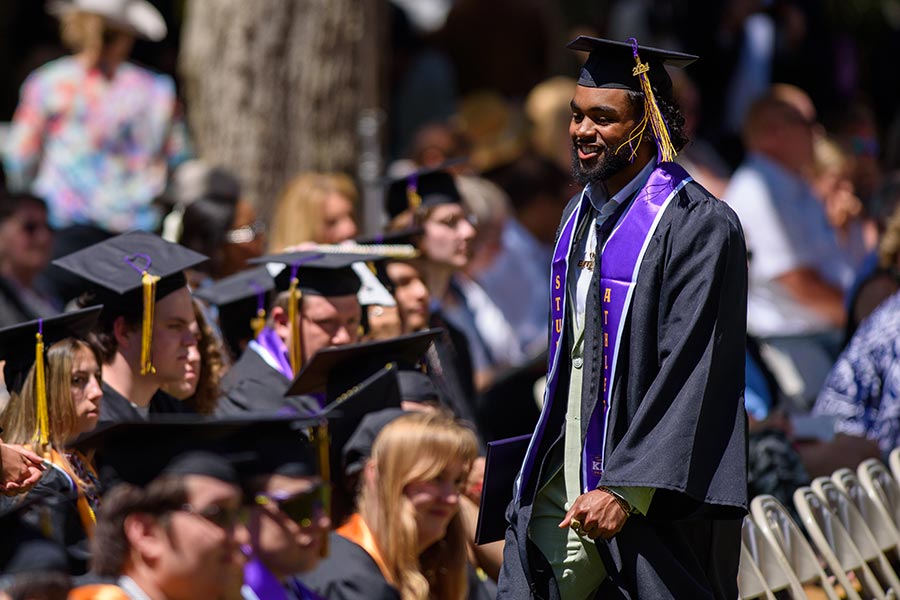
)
(208, 215)
(26, 245)
(287, 521)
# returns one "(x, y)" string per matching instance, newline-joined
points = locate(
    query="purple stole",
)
(276, 348)
(620, 261)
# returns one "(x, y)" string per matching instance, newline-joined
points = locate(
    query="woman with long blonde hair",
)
(314, 207)
(407, 539)
(50, 405)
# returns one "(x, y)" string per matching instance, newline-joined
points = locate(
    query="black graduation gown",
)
(251, 385)
(348, 573)
(676, 420)
(115, 408)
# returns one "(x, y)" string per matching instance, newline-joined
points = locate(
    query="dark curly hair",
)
(670, 112)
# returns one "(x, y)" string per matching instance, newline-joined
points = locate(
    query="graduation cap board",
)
(502, 463)
(425, 187)
(241, 297)
(138, 452)
(401, 238)
(337, 369)
(620, 65)
(23, 345)
(130, 270)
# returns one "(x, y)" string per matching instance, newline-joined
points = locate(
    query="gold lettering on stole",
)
(557, 299)
(557, 283)
(605, 317)
(558, 325)
(604, 385)
(605, 340)
(605, 361)
(606, 294)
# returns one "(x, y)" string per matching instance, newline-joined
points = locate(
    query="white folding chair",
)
(860, 533)
(881, 487)
(880, 525)
(760, 574)
(790, 548)
(894, 463)
(834, 544)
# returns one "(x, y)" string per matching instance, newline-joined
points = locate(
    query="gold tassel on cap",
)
(258, 322)
(665, 150)
(294, 298)
(148, 283)
(42, 433)
(412, 193)
(323, 449)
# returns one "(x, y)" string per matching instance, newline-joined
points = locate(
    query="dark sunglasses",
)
(301, 507)
(226, 518)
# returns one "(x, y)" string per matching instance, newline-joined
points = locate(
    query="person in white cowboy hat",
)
(95, 135)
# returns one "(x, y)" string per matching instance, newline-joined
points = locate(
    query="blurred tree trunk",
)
(276, 87)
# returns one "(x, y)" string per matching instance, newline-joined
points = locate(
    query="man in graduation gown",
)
(144, 331)
(634, 482)
(328, 314)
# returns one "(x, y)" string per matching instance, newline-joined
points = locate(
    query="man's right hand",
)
(22, 469)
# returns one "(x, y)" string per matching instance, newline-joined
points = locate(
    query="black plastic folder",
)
(504, 457)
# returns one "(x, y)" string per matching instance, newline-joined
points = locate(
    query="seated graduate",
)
(171, 526)
(55, 397)
(203, 370)
(316, 307)
(239, 303)
(31, 566)
(144, 330)
(288, 519)
(407, 538)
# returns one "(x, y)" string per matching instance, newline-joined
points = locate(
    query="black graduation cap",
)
(611, 64)
(426, 187)
(25, 549)
(17, 342)
(337, 369)
(137, 452)
(242, 300)
(375, 392)
(317, 273)
(359, 447)
(128, 271)
(416, 386)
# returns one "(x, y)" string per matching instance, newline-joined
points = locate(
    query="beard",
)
(607, 164)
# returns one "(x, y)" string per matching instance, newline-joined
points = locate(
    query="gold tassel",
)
(296, 349)
(148, 283)
(258, 322)
(665, 150)
(412, 196)
(323, 449)
(42, 435)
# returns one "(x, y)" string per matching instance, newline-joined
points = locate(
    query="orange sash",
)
(356, 530)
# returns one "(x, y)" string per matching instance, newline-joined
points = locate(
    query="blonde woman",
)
(407, 540)
(314, 207)
(72, 380)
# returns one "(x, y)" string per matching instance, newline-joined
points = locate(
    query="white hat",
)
(138, 16)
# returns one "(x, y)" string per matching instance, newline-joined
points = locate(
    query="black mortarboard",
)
(132, 270)
(242, 300)
(138, 452)
(116, 266)
(611, 64)
(426, 187)
(25, 548)
(416, 386)
(337, 369)
(359, 447)
(502, 463)
(17, 342)
(278, 446)
(375, 392)
(317, 273)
